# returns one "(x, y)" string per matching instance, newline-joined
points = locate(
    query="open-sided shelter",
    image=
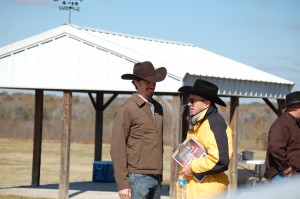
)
(71, 59)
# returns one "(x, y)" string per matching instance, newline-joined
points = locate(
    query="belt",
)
(157, 177)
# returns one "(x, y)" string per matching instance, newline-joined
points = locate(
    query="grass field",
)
(17, 197)
(16, 162)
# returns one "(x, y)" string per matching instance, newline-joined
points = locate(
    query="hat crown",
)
(292, 98)
(144, 69)
(206, 86)
(204, 89)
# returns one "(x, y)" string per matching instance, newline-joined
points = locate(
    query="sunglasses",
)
(193, 100)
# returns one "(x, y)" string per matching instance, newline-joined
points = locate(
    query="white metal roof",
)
(79, 58)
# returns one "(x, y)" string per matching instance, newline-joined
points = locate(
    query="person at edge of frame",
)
(283, 151)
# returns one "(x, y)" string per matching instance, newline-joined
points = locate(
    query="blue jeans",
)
(279, 178)
(145, 186)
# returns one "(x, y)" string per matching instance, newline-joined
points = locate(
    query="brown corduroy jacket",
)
(137, 140)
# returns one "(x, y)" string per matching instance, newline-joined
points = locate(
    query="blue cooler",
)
(103, 171)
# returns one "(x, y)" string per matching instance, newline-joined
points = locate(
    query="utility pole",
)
(71, 5)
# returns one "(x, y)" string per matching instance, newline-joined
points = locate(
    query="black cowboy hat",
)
(145, 70)
(292, 98)
(204, 89)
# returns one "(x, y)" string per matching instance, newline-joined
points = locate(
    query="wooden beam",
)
(37, 137)
(101, 106)
(92, 100)
(176, 137)
(65, 146)
(185, 125)
(98, 126)
(280, 106)
(234, 106)
(276, 111)
(110, 100)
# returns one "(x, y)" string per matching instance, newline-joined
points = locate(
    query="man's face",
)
(197, 104)
(296, 108)
(145, 88)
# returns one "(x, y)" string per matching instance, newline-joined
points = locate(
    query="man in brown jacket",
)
(283, 153)
(137, 137)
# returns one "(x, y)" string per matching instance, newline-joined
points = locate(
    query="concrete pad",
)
(77, 190)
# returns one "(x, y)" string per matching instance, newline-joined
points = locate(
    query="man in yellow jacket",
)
(209, 129)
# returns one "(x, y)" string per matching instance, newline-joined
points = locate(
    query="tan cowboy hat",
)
(204, 89)
(145, 70)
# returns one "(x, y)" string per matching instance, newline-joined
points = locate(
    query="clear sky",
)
(264, 34)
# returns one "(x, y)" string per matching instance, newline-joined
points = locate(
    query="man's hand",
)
(125, 194)
(288, 171)
(186, 170)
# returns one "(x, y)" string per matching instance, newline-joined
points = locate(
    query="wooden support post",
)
(99, 108)
(280, 106)
(65, 146)
(98, 127)
(37, 137)
(176, 137)
(185, 125)
(234, 104)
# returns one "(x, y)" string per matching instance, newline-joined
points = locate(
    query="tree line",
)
(17, 119)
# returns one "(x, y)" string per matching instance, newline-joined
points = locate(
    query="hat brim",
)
(160, 75)
(294, 102)
(202, 93)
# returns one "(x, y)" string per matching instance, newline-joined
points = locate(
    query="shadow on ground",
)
(82, 187)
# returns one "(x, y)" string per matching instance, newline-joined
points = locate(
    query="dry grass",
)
(16, 162)
(17, 119)
(17, 197)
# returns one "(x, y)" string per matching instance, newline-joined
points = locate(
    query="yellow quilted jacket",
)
(213, 133)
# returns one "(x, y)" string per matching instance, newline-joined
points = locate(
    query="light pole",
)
(69, 5)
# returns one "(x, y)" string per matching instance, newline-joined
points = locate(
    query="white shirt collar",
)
(144, 98)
